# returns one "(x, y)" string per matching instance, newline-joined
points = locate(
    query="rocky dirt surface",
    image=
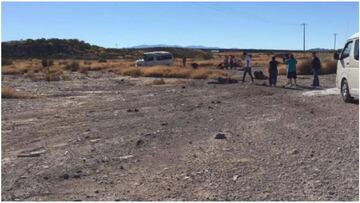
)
(118, 138)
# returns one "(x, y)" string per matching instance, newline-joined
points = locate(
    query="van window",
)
(163, 57)
(149, 58)
(346, 51)
(356, 50)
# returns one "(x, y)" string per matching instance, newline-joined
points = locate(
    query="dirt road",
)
(115, 138)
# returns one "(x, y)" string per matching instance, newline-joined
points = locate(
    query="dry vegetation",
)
(12, 93)
(207, 68)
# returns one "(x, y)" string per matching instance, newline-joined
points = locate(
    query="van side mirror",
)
(336, 56)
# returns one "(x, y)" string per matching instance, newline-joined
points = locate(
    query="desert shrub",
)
(63, 63)
(54, 76)
(304, 67)
(215, 74)
(87, 62)
(44, 63)
(73, 66)
(329, 66)
(12, 70)
(50, 62)
(156, 71)
(134, 72)
(158, 82)
(6, 62)
(199, 74)
(102, 60)
(12, 93)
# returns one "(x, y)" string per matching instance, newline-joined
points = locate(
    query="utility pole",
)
(335, 41)
(304, 24)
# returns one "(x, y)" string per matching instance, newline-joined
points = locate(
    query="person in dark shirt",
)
(273, 71)
(184, 61)
(315, 65)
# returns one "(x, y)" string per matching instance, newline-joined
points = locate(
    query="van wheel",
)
(345, 94)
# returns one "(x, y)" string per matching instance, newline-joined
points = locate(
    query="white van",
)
(155, 58)
(347, 73)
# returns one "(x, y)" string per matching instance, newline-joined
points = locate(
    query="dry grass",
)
(329, 66)
(158, 82)
(12, 93)
(207, 68)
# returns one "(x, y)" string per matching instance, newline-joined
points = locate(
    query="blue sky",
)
(228, 25)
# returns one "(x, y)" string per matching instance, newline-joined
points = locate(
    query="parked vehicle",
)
(347, 74)
(155, 58)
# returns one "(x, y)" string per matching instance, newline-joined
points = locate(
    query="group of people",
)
(231, 62)
(290, 62)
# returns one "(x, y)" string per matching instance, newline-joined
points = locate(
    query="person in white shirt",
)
(247, 64)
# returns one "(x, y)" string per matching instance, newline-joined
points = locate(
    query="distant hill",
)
(54, 48)
(77, 49)
(173, 46)
(74, 48)
(320, 50)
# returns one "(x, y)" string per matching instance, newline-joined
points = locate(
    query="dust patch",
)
(325, 92)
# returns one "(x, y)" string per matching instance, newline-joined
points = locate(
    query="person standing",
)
(273, 71)
(315, 65)
(184, 61)
(226, 62)
(231, 61)
(291, 69)
(247, 63)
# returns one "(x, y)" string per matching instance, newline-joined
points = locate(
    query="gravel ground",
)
(106, 137)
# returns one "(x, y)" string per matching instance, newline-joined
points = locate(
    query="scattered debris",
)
(94, 140)
(133, 110)
(32, 154)
(139, 142)
(259, 75)
(235, 177)
(65, 176)
(294, 151)
(220, 136)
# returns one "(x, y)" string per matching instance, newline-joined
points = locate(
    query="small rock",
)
(139, 142)
(295, 151)
(235, 177)
(164, 124)
(65, 176)
(220, 136)
(94, 140)
(190, 142)
(76, 176)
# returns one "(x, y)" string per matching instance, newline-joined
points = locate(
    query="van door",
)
(344, 63)
(149, 60)
(354, 69)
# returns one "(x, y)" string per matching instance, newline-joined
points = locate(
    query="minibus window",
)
(356, 50)
(149, 58)
(346, 51)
